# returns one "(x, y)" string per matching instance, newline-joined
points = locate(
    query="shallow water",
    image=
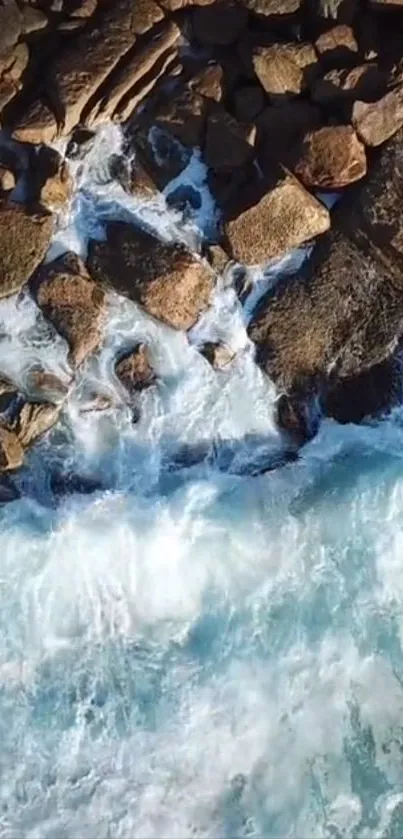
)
(189, 652)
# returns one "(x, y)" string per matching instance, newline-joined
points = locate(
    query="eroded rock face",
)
(331, 158)
(134, 369)
(24, 239)
(283, 219)
(73, 303)
(167, 280)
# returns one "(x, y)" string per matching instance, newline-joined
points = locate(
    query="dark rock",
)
(132, 176)
(50, 180)
(344, 87)
(134, 369)
(219, 24)
(337, 47)
(8, 491)
(36, 125)
(165, 279)
(281, 132)
(228, 143)
(69, 483)
(296, 416)
(73, 303)
(285, 70)
(24, 239)
(249, 102)
(80, 143)
(184, 115)
(160, 155)
(8, 394)
(331, 158)
(376, 122)
(284, 218)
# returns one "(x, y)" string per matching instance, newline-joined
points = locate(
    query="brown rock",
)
(24, 240)
(332, 158)
(140, 65)
(217, 257)
(33, 20)
(45, 385)
(51, 180)
(18, 63)
(73, 303)
(134, 369)
(228, 144)
(37, 124)
(34, 420)
(285, 70)
(337, 46)
(282, 130)
(11, 451)
(273, 8)
(184, 115)
(376, 122)
(364, 82)
(218, 354)
(174, 5)
(249, 102)
(7, 179)
(165, 279)
(85, 9)
(285, 218)
(132, 176)
(10, 26)
(209, 82)
(220, 24)
(160, 154)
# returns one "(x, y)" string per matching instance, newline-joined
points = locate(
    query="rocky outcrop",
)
(331, 158)
(167, 280)
(284, 218)
(24, 239)
(73, 303)
(134, 370)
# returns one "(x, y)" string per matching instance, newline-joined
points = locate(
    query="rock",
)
(36, 125)
(73, 303)
(341, 10)
(332, 158)
(33, 421)
(220, 24)
(134, 369)
(69, 483)
(80, 143)
(228, 144)
(10, 27)
(8, 394)
(17, 65)
(8, 491)
(273, 8)
(285, 70)
(175, 5)
(45, 385)
(165, 279)
(376, 122)
(33, 20)
(135, 73)
(345, 86)
(281, 132)
(284, 218)
(209, 82)
(132, 176)
(51, 182)
(217, 258)
(168, 64)
(85, 63)
(24, 239)
(368, 394)
(294, 416)
(249, 102)
(159, 153)
(218, 354)
(184, 115)
(11, 451)
(85, 9)
(7, 179)
(337, 47)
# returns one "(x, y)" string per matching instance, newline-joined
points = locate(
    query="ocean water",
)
(191, 650)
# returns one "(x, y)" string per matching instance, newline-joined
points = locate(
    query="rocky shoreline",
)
(284, 101)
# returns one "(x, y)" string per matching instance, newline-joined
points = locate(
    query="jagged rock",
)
(337, 46)
(220, 24)
(84, 64)
(273, 8)
(142, 69)
(51, 182)
(285, 70)
(218, 354)
(73, 303)
(45, 385)
(134, 369)
(7, 179)
(282, 130)
(168, 64)
(33, 20)
(332, 158)
(10, 27)
(209, 82)
(165, 279)
(34, 420)
(368, 394)
(69, 483)
(228, 144)
(24, 239)
(376, 122)
(11, 451)
(345, 86)
(184, 115)
(249, 102)
(36, 125)
(284, 218)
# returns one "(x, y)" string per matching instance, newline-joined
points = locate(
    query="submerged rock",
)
(134, 369)
(167, 280)
(25, 236)
(218, 354)
(8, 490)
(73, 303)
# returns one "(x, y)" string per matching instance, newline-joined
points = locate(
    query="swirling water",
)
(194, 651)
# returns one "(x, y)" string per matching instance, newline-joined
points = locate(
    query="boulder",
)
(17, 64)
(209, 82)
(50, 182)
(285, 217)
(25, 235)
(46, 386)
(184, 115)
(158, 152)
(7, 179)
(285, 70)
(134, 369)
(344, 87)
(175, 5)
(8, 394)
(132, 176)
(281, 132)
(10, 27)
(37, 124)
(167, 65)
(337, 47)
(220, 24)
(249, 102)
(376, 122)
(368, 394)
(33, 20)
(331, 158)
(11, 451)
(73, 303)
(169, 282)
(228, 143)
(218, 354)
(33, 421)
(274, 9)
